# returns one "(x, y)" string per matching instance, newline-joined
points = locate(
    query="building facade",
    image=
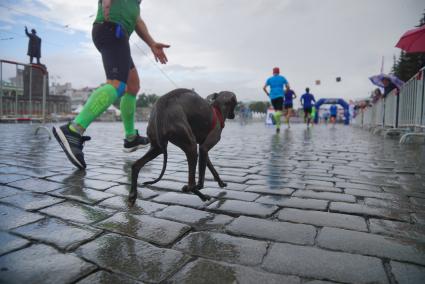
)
(22, 95)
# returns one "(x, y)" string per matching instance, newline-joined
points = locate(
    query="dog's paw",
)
(186, 188)
(131, 201)
(222, 184)
(199, 186)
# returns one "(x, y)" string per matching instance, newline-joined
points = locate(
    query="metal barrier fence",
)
(23, 92)
(404, 112)
(390, 115)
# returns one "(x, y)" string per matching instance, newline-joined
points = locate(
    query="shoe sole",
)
(60, 137)
(129, 150)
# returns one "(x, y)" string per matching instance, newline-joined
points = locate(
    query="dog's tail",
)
(164, 166)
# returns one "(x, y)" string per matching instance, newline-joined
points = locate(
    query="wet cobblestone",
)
(304, 206)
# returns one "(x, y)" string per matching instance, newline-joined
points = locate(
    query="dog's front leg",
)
(192, 158)
(209, 142)
(203, 155)
(217, 178)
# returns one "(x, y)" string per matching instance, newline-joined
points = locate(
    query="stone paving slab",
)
(323, 188)
(230, 194)
(41, 264)
(31, 201)
(375, 194)
(364, 210)
(78, 212)
(36, 185)
(123, 190)
(196, 218)
(140, 206)
(321, 264)
(230, 185)
(154, 230)
(135, 258)
(85, 195)
(419, 217)
(9, 178)
(6, 191)
(11, 242)
(407, 273)
(394, 204)
(211, 272)
(398, 229)
(242, 207)
(273, 230)
(323, 219)
(371, 244)
(324, 195)
(12, 217)
(223, 247)
(189, 200)
(295, 202)
(360, 186)
(104, 277)
(57, 232)
(266, 190)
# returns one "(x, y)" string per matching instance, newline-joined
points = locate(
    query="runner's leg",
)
(128, 104)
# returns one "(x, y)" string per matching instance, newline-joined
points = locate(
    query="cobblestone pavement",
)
(306, 206)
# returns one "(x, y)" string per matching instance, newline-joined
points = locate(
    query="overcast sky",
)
(224, 44)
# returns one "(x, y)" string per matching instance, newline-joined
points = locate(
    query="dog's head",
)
(224, 100)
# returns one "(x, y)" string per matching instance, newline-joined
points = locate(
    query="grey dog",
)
(185, 119)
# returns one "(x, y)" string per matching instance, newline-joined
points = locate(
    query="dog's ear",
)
(211, 98)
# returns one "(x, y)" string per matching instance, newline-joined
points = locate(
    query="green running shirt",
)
(124, 12)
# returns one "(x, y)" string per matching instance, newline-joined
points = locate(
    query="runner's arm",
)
(156, 47)
(106, 6)
(265, 90)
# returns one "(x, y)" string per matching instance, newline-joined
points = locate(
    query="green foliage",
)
(259, 106)
(408, 64)
(145, 100)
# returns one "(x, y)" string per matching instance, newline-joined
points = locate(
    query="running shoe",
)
(273, 118)
(72, 144)
(137, 143)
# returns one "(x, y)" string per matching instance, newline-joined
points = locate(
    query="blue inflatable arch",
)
(340, 102)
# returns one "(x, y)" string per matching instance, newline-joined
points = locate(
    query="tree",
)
(259, 106)
(146, 100)
(408, 64)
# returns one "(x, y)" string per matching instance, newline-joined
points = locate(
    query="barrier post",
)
(43, 117)
(1, 89)
(422, 122)
(30, 95)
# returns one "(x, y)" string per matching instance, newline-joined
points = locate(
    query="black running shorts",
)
(307, 111)
(289, 105)
(277, 103)
(115, 50)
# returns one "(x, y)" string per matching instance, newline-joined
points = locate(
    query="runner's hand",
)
(158, 51)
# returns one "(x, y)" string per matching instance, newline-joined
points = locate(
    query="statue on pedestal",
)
(34, 45)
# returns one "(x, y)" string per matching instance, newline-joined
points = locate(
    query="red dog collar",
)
(217, 116)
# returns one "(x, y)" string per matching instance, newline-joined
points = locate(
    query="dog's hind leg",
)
(151, 154)
(217, 178)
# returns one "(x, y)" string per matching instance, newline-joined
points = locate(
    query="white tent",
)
(112, 108)
(78, 109)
